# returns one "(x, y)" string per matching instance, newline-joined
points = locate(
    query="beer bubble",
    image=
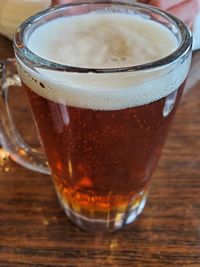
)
(41, 85)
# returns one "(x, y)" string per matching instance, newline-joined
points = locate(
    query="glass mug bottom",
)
(105, 220)
(102, 129)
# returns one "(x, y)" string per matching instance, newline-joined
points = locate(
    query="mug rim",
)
(32, 59)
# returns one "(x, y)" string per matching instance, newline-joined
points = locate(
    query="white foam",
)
(102, 41)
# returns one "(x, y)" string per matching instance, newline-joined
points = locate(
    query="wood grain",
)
(34, 230)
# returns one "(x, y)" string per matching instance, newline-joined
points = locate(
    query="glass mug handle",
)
(10, 138)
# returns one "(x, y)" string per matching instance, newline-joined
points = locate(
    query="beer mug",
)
(102, 126)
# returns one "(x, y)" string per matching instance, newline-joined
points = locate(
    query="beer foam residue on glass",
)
(97, 40)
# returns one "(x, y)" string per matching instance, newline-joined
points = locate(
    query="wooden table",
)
(34, 230)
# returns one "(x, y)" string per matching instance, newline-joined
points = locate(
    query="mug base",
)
(119, 220)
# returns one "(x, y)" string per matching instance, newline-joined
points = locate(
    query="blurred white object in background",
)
(196, 33)
(14, 12)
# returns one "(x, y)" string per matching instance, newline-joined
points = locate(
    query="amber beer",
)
(103, 132)
(102, 161)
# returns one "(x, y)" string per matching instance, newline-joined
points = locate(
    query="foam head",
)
(97, 40)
